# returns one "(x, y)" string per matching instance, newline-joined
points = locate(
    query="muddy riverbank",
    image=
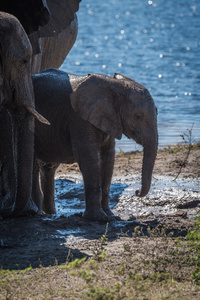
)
(40, 240)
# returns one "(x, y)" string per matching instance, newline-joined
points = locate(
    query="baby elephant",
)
(86, 114)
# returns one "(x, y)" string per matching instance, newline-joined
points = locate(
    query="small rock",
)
(190, 204)
(179, 213)
(126, 217)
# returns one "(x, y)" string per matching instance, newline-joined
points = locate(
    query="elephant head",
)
(119, 106)
(15, 67)
(17, 97)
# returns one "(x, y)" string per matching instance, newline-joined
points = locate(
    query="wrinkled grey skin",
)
(52, 42)
(55, 49)
(87, 113)
(17, 127)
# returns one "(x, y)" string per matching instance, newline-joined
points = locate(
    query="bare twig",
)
(187, 138)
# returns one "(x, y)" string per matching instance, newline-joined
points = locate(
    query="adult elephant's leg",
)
(23, 133)
(107, 165)
(48, 188)
(8, 179)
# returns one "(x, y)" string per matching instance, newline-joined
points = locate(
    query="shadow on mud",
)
(50, 239)
(45, 240)
(28, 241)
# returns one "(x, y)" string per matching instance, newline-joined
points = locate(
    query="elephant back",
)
(50, 81)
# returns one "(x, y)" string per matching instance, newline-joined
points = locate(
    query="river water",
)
(156, 43)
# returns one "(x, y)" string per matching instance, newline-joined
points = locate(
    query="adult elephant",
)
(87, 113)
(17, 127)
(50, 45)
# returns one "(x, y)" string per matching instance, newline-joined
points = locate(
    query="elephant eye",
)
(25, 60)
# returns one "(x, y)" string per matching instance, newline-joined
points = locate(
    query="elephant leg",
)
(48, 187)
(89, 163)
(37, 194)
(107, 165)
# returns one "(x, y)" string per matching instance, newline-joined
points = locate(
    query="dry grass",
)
(156, 266)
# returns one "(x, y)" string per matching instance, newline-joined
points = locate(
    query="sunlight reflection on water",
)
(151, 42)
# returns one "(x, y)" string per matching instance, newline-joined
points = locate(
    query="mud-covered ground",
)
(40, 240)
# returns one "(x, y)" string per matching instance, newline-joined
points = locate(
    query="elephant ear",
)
(95, 101)
(121, 77)
(62, 14)
(32, 13)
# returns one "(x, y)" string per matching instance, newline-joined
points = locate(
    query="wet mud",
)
(49, 239)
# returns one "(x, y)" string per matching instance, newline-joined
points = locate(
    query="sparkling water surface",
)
(156, 43)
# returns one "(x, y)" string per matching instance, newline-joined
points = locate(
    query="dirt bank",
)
(42, 239)
(168, 162)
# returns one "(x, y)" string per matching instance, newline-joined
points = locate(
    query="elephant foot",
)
(30, 210)
(49, 210)
(109, 213)
(96, 215)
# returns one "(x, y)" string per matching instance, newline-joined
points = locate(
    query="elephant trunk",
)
(8, 179)
(149, 157)
(17, 158)
(23, 143)
(16, 161)
(23, 150)
(17, 147)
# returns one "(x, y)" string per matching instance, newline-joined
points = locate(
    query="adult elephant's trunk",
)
(23, 142)
(8, 180)
(16, 161)
(149, 157)
(23, 138)
(17, 149)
